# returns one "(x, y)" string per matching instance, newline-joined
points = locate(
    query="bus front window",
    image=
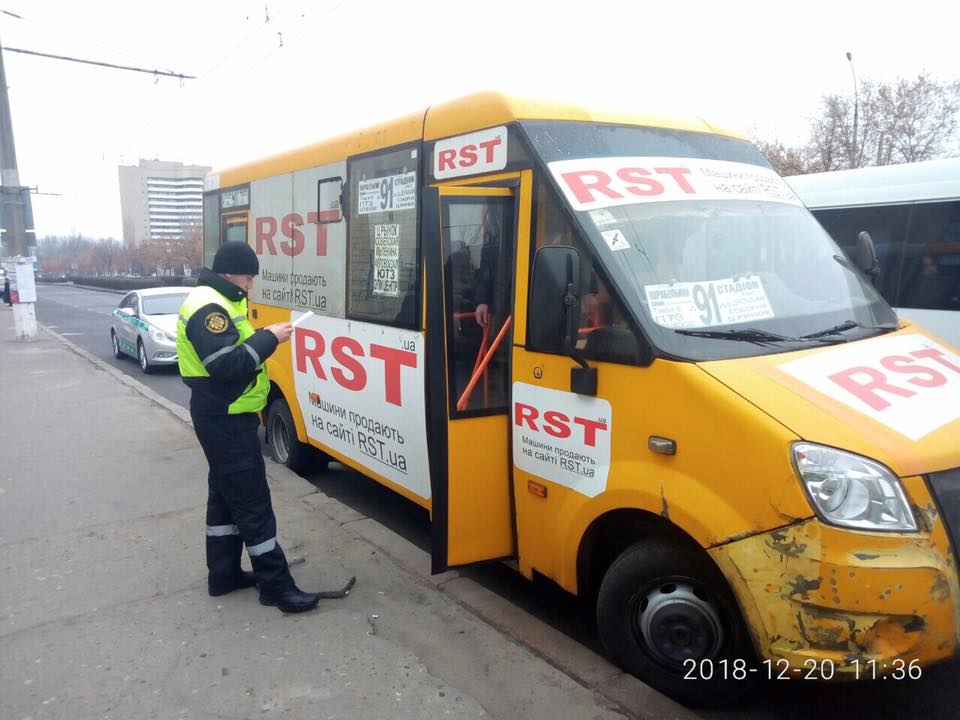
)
(708, 247)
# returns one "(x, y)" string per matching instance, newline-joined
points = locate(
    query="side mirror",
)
(866, 259)
(554, 299)
(554, 311)
(126, 311)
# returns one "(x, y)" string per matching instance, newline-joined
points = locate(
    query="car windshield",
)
(166, 304)
(711, 250)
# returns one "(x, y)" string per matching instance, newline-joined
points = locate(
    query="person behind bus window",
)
(930, 289)
(480, 294)
(491, 277)
(604, 333)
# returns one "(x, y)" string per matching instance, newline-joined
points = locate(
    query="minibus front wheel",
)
(666, 614)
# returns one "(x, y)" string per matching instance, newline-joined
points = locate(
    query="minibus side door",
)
(469, 247)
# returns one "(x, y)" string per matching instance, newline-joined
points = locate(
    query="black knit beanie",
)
(236, 258)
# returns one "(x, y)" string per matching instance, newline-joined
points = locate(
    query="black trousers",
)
(239, 511)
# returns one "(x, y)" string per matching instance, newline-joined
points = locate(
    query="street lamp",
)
(856, 112)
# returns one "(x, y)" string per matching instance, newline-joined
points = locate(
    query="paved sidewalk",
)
(104, 611)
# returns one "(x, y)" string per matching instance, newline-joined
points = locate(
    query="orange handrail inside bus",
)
(481, 351)
(482, 367)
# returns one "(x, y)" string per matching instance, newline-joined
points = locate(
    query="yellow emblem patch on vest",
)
(216, 322)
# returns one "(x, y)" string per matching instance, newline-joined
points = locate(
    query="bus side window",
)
(604, 332)
(383, 273)
(887, 226)
(931, 264)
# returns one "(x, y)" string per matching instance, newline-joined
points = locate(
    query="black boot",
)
(223, 565)
(289, 600)
(221, 586)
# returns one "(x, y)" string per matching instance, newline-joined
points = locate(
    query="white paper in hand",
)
(302, 318)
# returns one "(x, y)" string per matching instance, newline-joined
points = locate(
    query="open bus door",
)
(470, 242)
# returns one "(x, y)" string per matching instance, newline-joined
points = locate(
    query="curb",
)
(618, 690)
(85, 287)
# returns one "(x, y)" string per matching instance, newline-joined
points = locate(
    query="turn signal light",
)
(537, 489)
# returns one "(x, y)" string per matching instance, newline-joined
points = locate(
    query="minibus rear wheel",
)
(666, 615)
(285, 448)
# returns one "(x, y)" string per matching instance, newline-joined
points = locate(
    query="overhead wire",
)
(77, 38)
(226, 85)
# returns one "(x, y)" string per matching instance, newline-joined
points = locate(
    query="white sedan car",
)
(145, 326)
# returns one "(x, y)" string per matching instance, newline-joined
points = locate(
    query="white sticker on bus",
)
(615, 240)
(395, 192)
(562, 437)
(592, 183)
(386, 260)
(478, 152)
(907, 382)
(360, 388)
(707, 303)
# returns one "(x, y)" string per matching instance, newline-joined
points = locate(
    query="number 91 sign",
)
(707, 303)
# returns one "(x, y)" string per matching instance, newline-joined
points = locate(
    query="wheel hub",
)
(677, 624)
(279, 439)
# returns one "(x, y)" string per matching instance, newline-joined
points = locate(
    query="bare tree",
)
(905, 121)
(787, 160)
(921, 117)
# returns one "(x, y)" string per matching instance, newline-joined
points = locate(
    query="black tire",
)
(662, 603)
(145, 367)
(117, 352)
(281, 433)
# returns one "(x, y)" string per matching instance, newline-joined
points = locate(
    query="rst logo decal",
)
(592, 183)
(562, 437)
(361, 391)
(478, 152)
(907, 382)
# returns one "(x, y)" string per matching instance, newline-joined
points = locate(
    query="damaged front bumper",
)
(813, 593)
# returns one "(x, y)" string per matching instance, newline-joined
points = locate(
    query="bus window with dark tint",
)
(382, 270)
(478, 241)
(604, 332)
(931, 262)
(887, 226)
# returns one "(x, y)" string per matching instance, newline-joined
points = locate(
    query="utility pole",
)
(14, 197)
(14, 235)
(854, 155)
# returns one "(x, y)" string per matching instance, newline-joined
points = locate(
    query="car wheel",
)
(145, 365)
(117, 352)
(285, 448)
(666, 615)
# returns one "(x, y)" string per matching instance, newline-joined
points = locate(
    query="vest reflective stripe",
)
(254, 398)
(213, 356)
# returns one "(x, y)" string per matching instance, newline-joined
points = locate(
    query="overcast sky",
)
(760, 67)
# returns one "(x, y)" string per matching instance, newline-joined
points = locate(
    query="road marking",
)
(66, 334)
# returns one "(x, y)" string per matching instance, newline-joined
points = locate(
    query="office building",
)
(160, 200)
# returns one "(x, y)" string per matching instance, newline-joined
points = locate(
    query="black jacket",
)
(233, 368)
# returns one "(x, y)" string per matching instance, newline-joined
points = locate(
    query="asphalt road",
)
(84, 317)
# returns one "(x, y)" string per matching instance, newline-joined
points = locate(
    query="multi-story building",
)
(160, 200)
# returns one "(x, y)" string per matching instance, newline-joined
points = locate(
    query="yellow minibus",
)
(616, 350)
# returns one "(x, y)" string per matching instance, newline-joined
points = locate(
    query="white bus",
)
(912, 212)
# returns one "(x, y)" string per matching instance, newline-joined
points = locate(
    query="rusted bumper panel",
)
(812, 591)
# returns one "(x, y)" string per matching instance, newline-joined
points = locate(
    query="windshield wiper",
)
(754, 335)
(843, 327)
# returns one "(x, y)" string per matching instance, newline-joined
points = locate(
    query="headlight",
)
(852, 491)
(161, 336)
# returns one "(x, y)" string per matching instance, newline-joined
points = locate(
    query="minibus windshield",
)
(710, 249)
